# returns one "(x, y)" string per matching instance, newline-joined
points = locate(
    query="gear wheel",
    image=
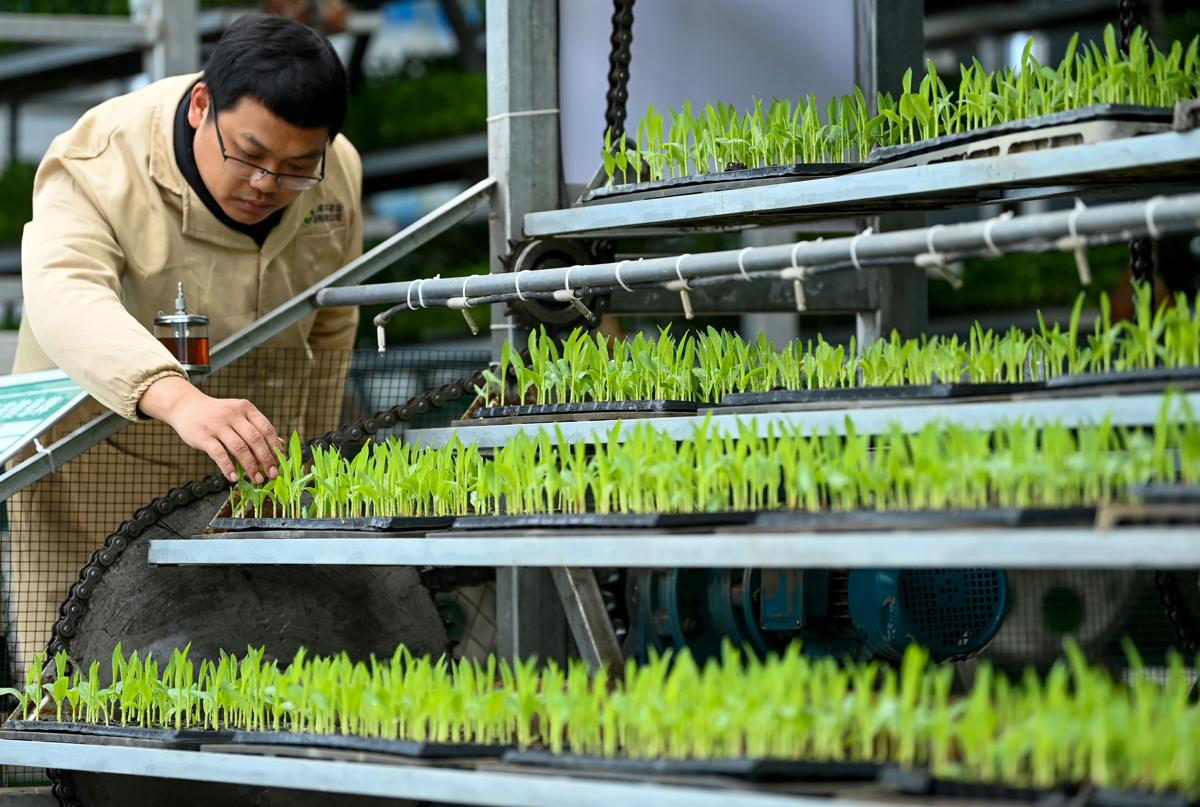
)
(555, 253)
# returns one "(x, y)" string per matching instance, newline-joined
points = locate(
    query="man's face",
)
(255, 135)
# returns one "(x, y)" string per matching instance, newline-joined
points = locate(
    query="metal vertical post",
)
(889, 39)
(177, 47)
(523, 156)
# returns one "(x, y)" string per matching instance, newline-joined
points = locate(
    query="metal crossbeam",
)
(419, 782)
(1149, 158)
(1124, 410)
(1014, 548)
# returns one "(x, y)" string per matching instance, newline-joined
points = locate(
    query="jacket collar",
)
(198, 220)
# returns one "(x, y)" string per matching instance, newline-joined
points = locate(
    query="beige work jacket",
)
(116, 226)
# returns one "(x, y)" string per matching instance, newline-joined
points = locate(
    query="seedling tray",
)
(927, 519)
(1163, 376)
(97, 733)
(1107, 797)
(585, 408)
(1091, 124)
(721, 180)
(921, 783)
(375, 524)
(751, 770)
(340, 742)
(580, 521)
(1166, 494)
(899, 392)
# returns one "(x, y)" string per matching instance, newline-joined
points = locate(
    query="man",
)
(234, 182)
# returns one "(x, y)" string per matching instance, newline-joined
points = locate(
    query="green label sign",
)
(30, 403)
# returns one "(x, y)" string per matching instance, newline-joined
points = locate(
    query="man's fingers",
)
(259, 446)
(260, 422)
(216, 451)
(242, 453)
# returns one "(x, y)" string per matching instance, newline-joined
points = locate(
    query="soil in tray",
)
(926, 519)
(1126, 112)
(381, 523)
(578, 521)
(698, 182)
(899, 392)
(340, 742)
(584, 408)
(1162, 375)
(753, 770)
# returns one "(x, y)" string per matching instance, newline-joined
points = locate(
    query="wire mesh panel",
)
(56, 524)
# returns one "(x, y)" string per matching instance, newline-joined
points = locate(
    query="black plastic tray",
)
(584, 408)
(380, 523)
(1166, 494)
(1127, 112)
(753, 770)
(921, 783)
(698, 182)
(193, 738)
(1107, 797)
(168, 738)
(577, 521)
(899, 391)
(926, 519)
(1164, 375)
(341, 742)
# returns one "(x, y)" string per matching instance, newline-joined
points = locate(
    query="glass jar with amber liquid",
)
(185, 335)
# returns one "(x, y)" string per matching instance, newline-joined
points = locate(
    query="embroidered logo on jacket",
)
(324, 212)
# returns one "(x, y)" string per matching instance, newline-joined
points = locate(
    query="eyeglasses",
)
(247, 170)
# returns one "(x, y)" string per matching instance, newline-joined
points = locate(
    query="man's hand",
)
(230, 431)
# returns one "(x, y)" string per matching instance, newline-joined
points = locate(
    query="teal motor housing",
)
(860, 613)
(952, 612)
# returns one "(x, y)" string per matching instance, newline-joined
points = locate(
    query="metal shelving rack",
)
(526, 203)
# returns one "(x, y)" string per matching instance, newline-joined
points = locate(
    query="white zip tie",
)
(525, 113)
(41, 449)
(463, 304)
(854, 247)
(621, 282)
(381, 339)
(797, 275)
(567, 295)
(936, 260)
(1151, 227)
(517, 283)
(1077, 244)
(741, 262)
(987, 232)
(421, 289)
(681, 286)
(408, 295)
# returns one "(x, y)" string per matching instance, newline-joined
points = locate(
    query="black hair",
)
(287, 67)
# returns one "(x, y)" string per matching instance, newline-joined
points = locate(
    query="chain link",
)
(1130, 14)
(1184, 623)
(618, 67)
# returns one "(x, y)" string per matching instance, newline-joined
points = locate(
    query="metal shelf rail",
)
(1133, 166)
(1015, 548)
(1121, 410)
(501, 788)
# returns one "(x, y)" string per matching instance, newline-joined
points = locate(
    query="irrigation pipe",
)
(1068, 229)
